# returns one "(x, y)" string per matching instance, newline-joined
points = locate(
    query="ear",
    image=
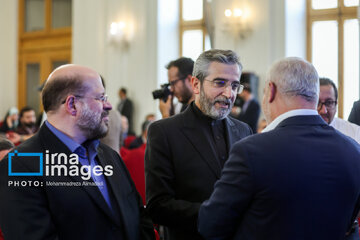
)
(195, 83)
(272, 91)
(70, 105)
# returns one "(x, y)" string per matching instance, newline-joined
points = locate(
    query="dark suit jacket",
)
(354, 116)
(299, 181)
(251, 114)
(65, 212)
(181, 168)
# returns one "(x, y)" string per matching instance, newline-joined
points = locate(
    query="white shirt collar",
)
(291, 113)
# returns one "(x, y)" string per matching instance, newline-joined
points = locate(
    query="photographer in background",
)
(179, 76)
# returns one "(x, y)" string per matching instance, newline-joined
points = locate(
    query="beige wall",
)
(8, 55)
(134, 67)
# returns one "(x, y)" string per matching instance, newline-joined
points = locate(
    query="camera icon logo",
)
(37, 158)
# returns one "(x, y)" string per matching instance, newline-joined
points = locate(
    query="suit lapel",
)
(113, 183)
(54, 145)
(197, 138)
(232, 133)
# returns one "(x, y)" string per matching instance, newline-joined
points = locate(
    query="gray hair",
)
(214, 55)
(295, 76)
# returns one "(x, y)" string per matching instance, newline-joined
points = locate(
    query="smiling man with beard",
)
(107, 206)
(185, 153)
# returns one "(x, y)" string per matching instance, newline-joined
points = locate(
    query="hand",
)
(165, 107)
(13, 137)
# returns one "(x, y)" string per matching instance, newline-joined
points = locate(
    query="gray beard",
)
(207, 106)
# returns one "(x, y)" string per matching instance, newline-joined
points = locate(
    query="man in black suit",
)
(354, 116)
(185, 153)
(81, 188)
(126, 108)
(298, 179)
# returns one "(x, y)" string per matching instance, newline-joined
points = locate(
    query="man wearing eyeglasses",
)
(179, 76)
(185, 153)
(298, 179)
(327, 109)
(82, 190)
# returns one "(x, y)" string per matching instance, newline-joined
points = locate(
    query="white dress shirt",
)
(291, 113)
(347, 128)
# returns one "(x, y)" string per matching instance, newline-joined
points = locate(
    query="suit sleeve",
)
(162, 204)
(220, 215)
(24, 212)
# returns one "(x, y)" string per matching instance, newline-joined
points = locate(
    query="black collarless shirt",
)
(215, 131)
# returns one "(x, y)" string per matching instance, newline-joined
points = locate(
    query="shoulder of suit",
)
(238, 122)
(174, 120)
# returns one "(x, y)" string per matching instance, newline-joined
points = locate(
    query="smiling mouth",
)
(223, 104)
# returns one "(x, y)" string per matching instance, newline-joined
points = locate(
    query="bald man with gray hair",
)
(299, 179)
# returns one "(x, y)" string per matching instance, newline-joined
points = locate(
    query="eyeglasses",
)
(220, 83)
(102, 98)
(330, 104)
(172, 83)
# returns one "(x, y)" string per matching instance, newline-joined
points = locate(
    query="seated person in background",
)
(327, 109)
(354, 116)
(11, 120)
(150, 117)
(137, 142)
(27, 126)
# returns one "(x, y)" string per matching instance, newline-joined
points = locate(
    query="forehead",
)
(27, 114)
(93, 83)
(327, 92)
(173, 72)
(229, 72)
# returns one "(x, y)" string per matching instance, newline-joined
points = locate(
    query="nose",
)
(323, 109)
(107, 106)
(227, 92)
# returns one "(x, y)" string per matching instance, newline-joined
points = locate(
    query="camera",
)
(162, 93)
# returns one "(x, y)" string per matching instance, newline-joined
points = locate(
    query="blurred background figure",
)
(126, 108)
(5, 147)
(262, 125)
(27, 125)
(140, 140)
(150, 117)
(11, 120)
(354, 116)
(249, 111)
(113, 137)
